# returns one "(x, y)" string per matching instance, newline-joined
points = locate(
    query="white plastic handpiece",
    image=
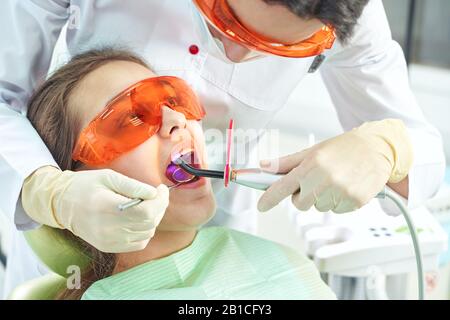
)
(254, 178)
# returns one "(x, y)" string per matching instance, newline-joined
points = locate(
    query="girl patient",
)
(107, 110)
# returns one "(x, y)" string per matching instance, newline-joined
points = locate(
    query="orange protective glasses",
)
(132, 117)
(221, 16)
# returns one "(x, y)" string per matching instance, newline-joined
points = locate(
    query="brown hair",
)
(58, 124)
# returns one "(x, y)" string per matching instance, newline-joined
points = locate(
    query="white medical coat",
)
(367, 80)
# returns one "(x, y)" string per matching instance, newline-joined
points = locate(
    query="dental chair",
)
(57, 253)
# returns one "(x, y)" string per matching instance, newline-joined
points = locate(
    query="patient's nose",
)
(171, 122)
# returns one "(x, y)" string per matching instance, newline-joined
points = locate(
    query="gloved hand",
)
(85, 203)
(343, 173)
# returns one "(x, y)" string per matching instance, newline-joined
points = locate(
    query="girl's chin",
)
(185, 195)
(183, 217)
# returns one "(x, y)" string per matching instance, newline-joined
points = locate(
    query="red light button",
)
(194, 49)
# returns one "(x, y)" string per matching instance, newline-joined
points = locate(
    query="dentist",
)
(243, 58)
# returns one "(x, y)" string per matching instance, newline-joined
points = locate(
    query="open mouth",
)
(176, 174)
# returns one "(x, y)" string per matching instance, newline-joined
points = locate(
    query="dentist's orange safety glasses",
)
(221, 16)
(134, 116)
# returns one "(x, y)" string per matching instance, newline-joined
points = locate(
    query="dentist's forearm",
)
(22, 152)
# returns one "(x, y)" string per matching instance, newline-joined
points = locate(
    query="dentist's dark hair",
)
(343, 15)
(58, 123)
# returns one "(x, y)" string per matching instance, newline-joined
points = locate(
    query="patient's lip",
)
(189, 156)
(196, 183)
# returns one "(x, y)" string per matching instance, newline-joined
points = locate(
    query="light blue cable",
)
(399, 203)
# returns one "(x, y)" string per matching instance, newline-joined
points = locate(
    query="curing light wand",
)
(254, 178)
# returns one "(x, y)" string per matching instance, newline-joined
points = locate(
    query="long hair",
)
(58, 124)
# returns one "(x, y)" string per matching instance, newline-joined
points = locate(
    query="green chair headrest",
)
(43, 288)
(56, 250)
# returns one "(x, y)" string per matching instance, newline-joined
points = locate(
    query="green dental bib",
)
(219, 264)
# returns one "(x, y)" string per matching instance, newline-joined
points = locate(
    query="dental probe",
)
(135, 202)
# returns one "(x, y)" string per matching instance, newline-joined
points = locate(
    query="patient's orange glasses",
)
(221, 16)
(132, 117)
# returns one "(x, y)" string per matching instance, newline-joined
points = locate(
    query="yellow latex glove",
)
(343, 173)
(86, 203)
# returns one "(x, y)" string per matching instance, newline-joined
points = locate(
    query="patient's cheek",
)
(141, 163)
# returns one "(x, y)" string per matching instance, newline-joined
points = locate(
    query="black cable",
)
(199, 172)
(2, 258)
(410, 31)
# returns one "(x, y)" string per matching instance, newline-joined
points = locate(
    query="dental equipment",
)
(174, 173)
(135, 202)
(253, 177)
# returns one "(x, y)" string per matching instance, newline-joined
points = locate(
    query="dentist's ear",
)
(171, 121)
